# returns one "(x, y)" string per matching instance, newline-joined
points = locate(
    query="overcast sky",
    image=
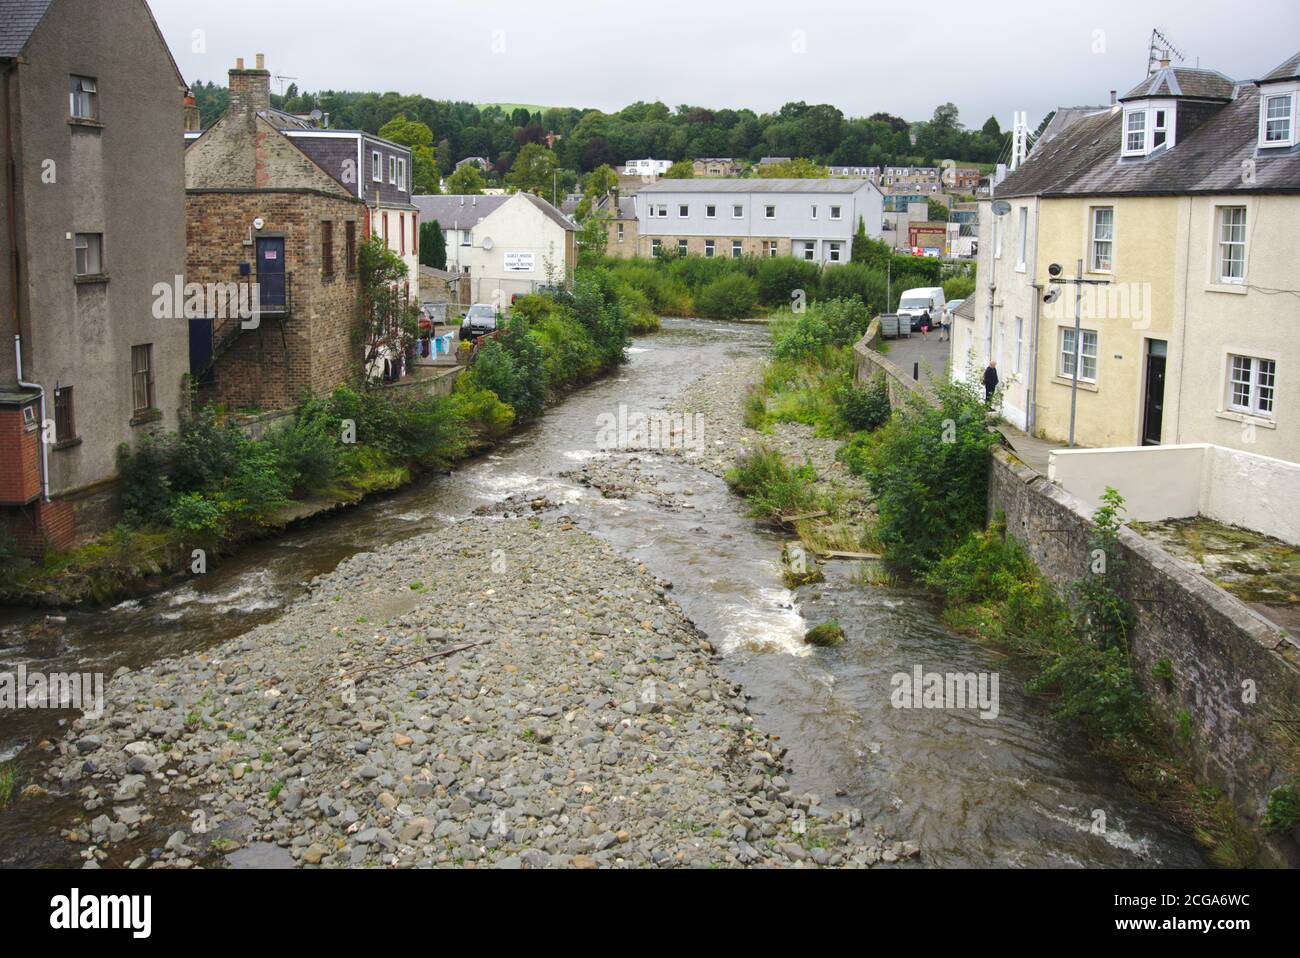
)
(901, 57)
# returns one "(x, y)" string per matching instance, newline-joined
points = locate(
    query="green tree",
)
(466, 180)
(799, 169)
(533, 171)
(417, 136)
(938, 210)
(388, 322)
(433, 245)
(681, 170)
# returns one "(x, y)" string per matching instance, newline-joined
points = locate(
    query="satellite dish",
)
(317, 114)
(1001, 207)
(487, 242)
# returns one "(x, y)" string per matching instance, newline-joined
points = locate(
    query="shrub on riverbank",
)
(771, 486)
(728, 297)
(928, 473)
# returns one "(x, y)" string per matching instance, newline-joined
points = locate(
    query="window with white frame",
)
(392, 170)
(401, 174)
(814, 211)
(1278, 120)
(737, 212)
(710, 211)
(683, 210)
(1135, 132)
(83, 98)
(620, 232)
(835, 212)
(708, 248)
(1232, 244)
(1020, 342)
(997, 237)
(735, 249)
(769, 212)
(1252, 382)
(1087, 354)
(771, 249)
(809, 250)
(834, 255)
(377, 167)
(656, 247)
(681, 246)
(1023, 238)
(1159, 128)
(1103, 239)
(89, 254)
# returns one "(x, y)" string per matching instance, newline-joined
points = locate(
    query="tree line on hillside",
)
(591, 138)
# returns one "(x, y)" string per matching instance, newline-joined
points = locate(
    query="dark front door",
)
(1153, 412)
(270, 274)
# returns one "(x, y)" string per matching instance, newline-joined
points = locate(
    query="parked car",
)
(480, 319)
(918, 303)
(953, 304)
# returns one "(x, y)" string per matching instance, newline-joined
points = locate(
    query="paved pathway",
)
(929, 352)
(1032, 452)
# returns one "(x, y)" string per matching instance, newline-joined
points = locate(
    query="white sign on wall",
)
(519, 262)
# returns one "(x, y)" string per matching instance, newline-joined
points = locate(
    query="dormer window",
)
(1277, 119)
(1147, 127)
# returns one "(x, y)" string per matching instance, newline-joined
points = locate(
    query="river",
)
(1017, 790)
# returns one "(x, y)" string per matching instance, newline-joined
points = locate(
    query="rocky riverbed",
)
(508, 693)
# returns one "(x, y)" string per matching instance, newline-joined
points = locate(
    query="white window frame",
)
(1094, 239)
(392, 171)
(814, 211)
(833, 253)
(656, 247)
(1022, 241)
(620, 232)
(710, 211)
(1257, 369)
(997, 237)
(83, 92)
(83, 241)
(1224, 246)
(769, 211)
(401, 173)
(709, 248)
(1065, 351)
(376, 166)
(1149, 111)
(683, 248)
(1291, 95)
(737, 211)
(1020, 342)
(683, 211)
(810, 251)
(737, 248)
(835, 212)
(1134, 132)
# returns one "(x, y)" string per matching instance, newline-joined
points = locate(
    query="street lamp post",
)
(1078, 282)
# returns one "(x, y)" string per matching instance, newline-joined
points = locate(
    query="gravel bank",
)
(511, 693)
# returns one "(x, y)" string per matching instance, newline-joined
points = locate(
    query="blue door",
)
(270, 274)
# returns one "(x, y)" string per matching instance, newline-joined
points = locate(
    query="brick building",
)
(260, 211)
(91, 195)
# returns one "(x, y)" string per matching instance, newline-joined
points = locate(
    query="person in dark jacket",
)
(990, 380)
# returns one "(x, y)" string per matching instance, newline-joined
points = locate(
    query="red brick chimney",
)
(250, 90)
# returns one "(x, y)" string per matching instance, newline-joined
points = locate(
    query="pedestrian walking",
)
(990, 380)
(944, 320)
(925, 325)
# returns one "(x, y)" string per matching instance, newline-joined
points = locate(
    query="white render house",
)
(646, 167)
(508, 245)
(812, 219)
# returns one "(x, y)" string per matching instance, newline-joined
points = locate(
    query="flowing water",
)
(1018, 789)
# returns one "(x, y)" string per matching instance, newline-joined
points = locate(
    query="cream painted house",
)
(506, 245)
(1183, 205)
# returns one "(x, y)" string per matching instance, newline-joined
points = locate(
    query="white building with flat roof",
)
(812, 219)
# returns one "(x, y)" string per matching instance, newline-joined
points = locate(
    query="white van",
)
(916, 303)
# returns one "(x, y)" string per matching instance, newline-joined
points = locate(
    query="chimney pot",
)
(239, 63)
(1112, 97)
(261, 61)
(1164, 63)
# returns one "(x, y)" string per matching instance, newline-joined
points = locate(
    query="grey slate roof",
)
(1183, 82)
(1288, 70)
(18, 18)
(464, 212)
(1085, 160)
(756, 185)
(1065, 117)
